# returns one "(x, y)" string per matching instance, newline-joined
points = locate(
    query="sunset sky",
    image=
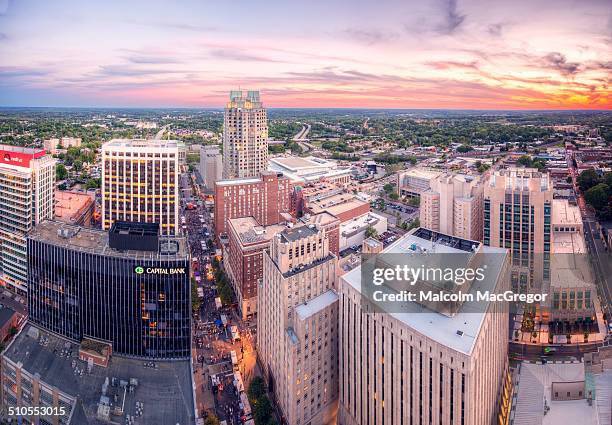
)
(553, 54)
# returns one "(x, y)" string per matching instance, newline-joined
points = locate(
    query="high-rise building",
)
(140, 182)
(297, 323)
(453, 205)
(420, 365)
(127, 287)
(27, 178)
(413, 182)
(245, 136)
(244, 261)
(211, 165)
(264, 198)
(517, 216)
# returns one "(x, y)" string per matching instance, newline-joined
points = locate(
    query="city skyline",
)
(443, 54)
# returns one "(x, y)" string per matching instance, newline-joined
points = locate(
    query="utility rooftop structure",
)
(50, 369)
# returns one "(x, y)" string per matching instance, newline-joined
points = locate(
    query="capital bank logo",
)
(139, 270)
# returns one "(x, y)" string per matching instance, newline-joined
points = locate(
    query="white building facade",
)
(27, 180)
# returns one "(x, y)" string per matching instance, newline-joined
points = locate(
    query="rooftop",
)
(21, 149)
(250, 232)
(359, 224)
(69, 205)
(337, 204)
(96, 241)
(165, 389)
(534, 386)
(565, 214)
(6, 314)
(295, 163)
(422, 173)
(141, 143)
(460, 331)
(316, 304)
(296, 233)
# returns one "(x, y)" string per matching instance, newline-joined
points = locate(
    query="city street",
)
(212, 341)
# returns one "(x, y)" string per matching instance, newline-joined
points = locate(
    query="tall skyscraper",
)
(517, 216)
(420, 365)
(140, 182)
(127, 287)
(297, 323)
(27, 178)
(453, 205)
(245, 136)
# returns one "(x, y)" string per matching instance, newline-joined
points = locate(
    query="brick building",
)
(264, 198)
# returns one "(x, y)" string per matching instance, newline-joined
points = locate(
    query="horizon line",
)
(357, 108)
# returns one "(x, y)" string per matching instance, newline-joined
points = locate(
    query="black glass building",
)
(131, 290)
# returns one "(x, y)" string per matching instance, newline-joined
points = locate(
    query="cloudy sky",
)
(469, 54)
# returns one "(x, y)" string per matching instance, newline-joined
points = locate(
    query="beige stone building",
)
(518, 216)
(420, 366)
(211, 165)
(140, 182)
(297, 325)
(245, 136)
(572, 282)
(415, 181)
(454, 205)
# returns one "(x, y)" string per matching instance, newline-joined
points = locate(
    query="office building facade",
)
(420, 366)
(297, 325)
(27, 178)
(517, 216)
(454, 205)
(126, 287)
(140, 183)
(211, 165)
(245, 136)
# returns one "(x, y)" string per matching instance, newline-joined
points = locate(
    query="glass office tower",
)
(127, 287)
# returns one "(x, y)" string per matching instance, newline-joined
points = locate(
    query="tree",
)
(394, 196)
(464, 149)
(388, 188)
(371, 232)
(587, 179)
(77, 166)
(597, 196)
(211, 420)
(195, 298)
(60, 172)
(415, 223)
(415, 202)
(92, 184)
(262, 411)
(257, 388)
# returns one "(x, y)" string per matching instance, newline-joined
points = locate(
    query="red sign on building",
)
(20, 159)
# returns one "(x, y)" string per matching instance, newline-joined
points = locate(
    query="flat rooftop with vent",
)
(459, 331)
(95, 394)
(124, 239)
